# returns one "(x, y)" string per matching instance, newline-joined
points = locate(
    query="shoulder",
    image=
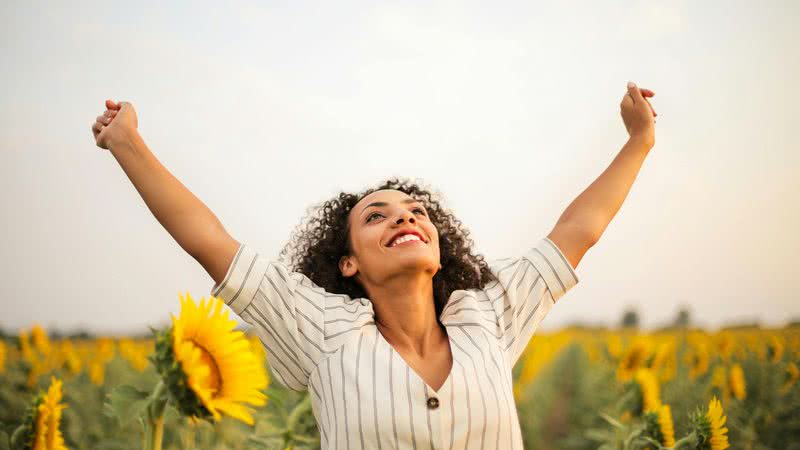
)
(469, 305)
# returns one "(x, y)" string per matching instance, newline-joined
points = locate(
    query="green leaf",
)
(298, 411)
(18, 439)
(126, 403)
(597, 434)
(171, 414)
(4, 441)
(653, 442)
(612, 421)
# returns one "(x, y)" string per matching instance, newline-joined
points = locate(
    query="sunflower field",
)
(202, 384)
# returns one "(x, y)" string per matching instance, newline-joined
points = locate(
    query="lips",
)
(404, 232)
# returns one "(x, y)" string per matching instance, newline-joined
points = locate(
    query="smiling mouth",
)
(409, 242)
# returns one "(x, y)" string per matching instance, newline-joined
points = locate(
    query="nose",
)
(406, 215)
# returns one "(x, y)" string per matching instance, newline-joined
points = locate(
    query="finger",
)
(626, 102)
(651, 108)
(111, 105)
(104, 120)
(635, 93)
(110, 113)
(97, 128)
(647, 92)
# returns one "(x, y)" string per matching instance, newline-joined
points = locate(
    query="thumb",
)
(111, 105)
(635, 92)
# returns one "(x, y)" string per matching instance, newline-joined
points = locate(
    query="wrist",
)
(125, 141)
(644, 141)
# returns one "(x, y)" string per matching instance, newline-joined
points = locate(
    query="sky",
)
(263, 109)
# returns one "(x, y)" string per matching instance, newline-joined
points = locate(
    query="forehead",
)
(385, 195)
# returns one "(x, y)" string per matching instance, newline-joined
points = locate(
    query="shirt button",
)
(433, 403)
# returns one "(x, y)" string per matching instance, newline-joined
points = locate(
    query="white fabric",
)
(364, 395)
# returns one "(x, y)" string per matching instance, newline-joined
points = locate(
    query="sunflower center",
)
(214, 380)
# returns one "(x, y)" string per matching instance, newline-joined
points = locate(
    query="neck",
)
(405, 312)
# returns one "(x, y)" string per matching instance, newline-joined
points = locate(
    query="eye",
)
(369, 218)
(420, 210)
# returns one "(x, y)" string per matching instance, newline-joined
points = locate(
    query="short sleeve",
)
(287, 311)
(528, 286)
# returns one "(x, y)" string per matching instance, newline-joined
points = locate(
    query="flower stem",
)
(158, 433)
(154, 425)
(188, 434)
(689, 441)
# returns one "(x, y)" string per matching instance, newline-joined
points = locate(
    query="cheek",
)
(368, 238)
(433, 232)
(434, 235)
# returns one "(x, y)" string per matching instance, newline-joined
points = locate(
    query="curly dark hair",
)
(323, 237)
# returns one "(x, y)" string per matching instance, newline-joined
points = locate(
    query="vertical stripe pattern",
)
(363, 393)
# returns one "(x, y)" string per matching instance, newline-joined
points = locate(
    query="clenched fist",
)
(637, 114)
(117, 123)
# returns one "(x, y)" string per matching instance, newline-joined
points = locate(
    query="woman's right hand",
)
(117, 123)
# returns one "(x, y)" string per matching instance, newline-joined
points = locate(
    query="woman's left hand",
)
(637, 113)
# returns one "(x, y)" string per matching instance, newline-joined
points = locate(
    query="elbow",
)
(583, 234)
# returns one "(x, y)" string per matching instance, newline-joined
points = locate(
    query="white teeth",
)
(406, 237)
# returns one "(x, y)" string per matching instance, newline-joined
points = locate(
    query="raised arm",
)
(586, 218)
(187, 219)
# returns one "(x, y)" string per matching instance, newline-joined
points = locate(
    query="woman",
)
(403, 336)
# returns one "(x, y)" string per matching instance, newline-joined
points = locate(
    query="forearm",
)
(184, 216)
(594, 208)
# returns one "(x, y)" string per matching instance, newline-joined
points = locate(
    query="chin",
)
(416, 264)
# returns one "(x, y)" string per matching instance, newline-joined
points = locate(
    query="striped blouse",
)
(363, 393)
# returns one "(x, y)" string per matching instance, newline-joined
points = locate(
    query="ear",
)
(348, 266)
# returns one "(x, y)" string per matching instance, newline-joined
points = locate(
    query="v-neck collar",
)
(447, 381)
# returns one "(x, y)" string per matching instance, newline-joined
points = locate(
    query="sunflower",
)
(97, 372)
(591, 349)
(697, 360)
(40, 429)
(736, 381)
(719, 382)
(709, 427)
(632, 360)
(792, 374)
(69, 357)
(2, 356)
(259, 352)
(102, 353)
(614, 345)
(666, 426)
(775, 348)
(134, 352)
(658, 425)
(725, 344)
(207, 367)
(40, 340)
(649, 388)
(716, 418)
(25, 347)
(664, 363)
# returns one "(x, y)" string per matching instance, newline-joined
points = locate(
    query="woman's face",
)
(374, 221)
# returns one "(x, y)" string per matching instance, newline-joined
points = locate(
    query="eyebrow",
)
(408, 200)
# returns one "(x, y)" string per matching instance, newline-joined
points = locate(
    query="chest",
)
(433, 370)
(366, 395)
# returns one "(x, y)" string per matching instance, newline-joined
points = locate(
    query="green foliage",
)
(287, 421)
(126, 403)
(23, 436)
(180, 394)
(563, 401)
(573, 403)
(577, 404)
